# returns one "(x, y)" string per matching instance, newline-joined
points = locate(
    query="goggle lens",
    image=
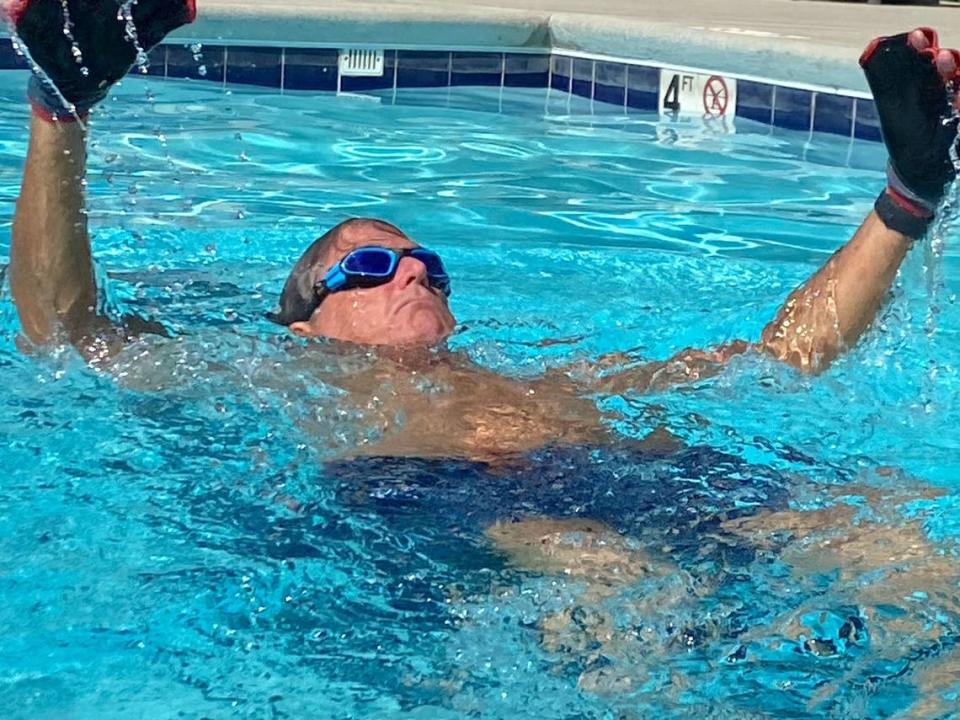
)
(370, 261)
(431, 261)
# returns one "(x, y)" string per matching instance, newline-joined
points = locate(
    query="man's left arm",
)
(913, 83)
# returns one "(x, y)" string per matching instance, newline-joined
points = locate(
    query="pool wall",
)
(630, 84)
(783, 77)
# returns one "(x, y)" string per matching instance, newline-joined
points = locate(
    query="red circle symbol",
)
(716, 96)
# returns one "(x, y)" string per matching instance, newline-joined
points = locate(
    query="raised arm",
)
(51, 270)
(830, 311)
(913, 84)
(51, 266)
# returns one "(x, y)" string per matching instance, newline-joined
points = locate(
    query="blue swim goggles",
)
(374, 265)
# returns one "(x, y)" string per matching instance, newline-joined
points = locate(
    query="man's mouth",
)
(417, 299)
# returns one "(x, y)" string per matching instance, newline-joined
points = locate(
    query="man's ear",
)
(302, 329)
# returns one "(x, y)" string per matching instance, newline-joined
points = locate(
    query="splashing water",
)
(68, 33)
(197, 50)
(933, 259)
(125, 13)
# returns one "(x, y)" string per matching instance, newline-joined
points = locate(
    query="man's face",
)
(404, 311)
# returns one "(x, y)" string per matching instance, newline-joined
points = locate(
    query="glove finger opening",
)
(948, 63)
(924, 39)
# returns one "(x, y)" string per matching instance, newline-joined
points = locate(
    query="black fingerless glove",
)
(918, 127)
(100, 30)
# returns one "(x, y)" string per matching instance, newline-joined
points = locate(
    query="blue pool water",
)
(179, 543)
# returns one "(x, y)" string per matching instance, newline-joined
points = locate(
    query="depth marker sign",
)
(686, 93)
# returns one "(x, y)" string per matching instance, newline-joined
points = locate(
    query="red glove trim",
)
(16, 9)
(931, 51)
(870, 49)
(908, 205)
(50, 117)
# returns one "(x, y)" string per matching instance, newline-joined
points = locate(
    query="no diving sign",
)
(686, 93)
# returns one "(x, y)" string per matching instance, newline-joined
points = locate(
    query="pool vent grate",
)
(361, 62)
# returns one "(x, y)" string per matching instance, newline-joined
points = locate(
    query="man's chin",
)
(421, 337)
(422, 329)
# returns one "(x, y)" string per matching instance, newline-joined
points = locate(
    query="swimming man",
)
(366, 282)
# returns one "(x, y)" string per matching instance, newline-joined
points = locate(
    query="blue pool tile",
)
(526, 70)
(643, 87)
(382, 82)
(311, 69)
(833, 114)
(583, 77)
(562, 72)
(476, 99)
(254, 66)
(477, 69)
(208, 66)
(9, 59)
(423, 69)
(755, 101)
(158, 62)
(611, 84)
(792, 108)
(868, 122)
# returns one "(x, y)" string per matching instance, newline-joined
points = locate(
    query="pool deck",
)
(805, 41)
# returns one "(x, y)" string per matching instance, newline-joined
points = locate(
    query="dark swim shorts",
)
(678, 500)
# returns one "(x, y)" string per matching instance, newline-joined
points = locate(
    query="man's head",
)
(405, 310)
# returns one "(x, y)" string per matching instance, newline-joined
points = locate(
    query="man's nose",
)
(410, 271)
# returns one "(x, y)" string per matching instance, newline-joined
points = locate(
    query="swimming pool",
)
(175, 545)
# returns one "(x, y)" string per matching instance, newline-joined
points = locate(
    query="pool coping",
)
(787, 41)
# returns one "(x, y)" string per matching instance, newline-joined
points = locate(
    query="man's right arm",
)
(51, 269)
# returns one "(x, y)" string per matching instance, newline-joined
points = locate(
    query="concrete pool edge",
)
(498, 29)
(801, 42)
